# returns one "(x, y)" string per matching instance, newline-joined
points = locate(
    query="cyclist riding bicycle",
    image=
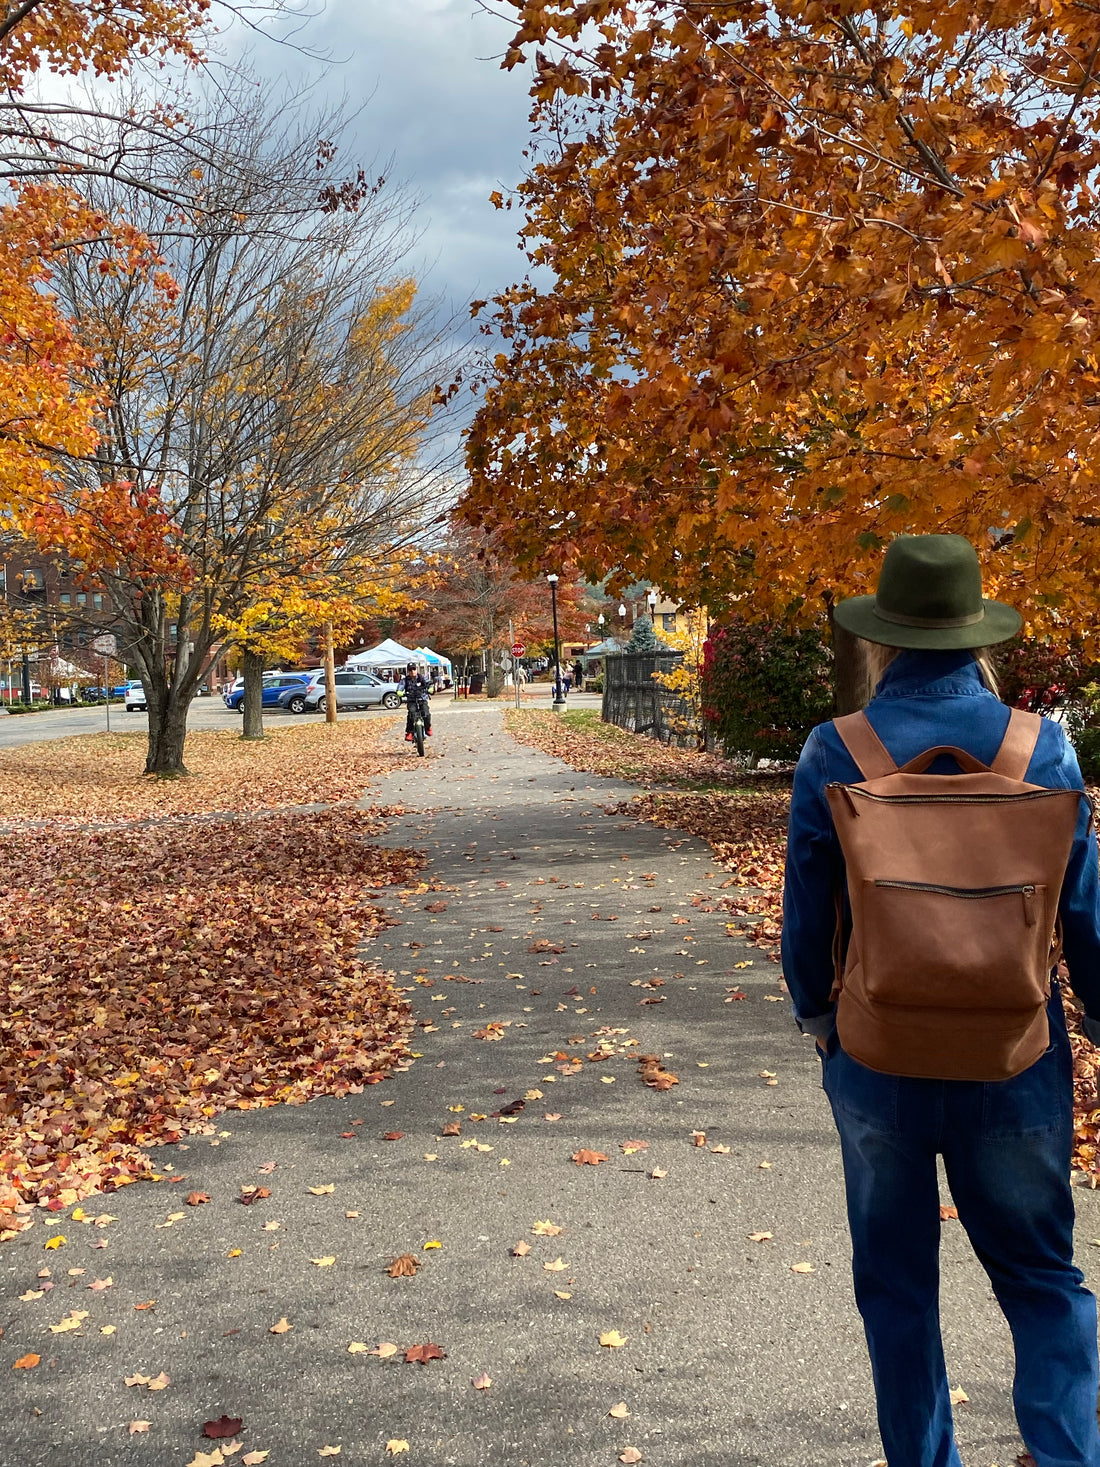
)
(417, 690)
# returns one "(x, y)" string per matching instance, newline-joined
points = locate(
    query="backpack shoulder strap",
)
(1018, 744)
(871, 756)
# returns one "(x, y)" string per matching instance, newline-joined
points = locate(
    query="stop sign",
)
(518, 649)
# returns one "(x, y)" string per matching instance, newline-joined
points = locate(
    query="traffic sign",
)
(105, 645)
(506, 662)
(518, 649)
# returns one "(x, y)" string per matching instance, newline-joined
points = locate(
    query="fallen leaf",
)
(271, 1227)
(107, 1329)
(136, 1426)
(136, 1380)
(393, 1136)
(631, 1454)
(760, 1237)
(224, 1426)
(325, 1262)
(698, 1138)
(435, 1243)
(160, 1382)
(26, 1362)
(395, 1445)
(620, 1411)
(658, 1172)
(281, 1328)
(99, 1285)
(802, 1267)
(584, 1157)
(421, 1354)
(253, 1459)
(148, 1304)
(249, 1195)
(58, 1242)
(196, 1199)
(358, 1348)
(31, 1294)
(207, 1459)
(630, 1147)
(958, 1396)
(612, 1339)
(384, 1350)
(481, 1382)
(404, 1266)
(73, 1320)
(320, 1191)
(947, 1213)
(328, 1451)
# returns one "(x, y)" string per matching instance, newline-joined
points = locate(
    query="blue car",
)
(279, 691)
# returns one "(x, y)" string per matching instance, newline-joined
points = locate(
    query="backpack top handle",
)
(873, 759)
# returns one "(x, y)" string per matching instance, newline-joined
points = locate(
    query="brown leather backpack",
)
(954, 883)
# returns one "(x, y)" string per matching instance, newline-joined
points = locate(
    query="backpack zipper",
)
(972, 893)
(849, 792)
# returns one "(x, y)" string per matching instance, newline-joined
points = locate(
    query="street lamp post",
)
(559, 701)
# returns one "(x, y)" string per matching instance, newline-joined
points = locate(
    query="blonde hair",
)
(878, 658)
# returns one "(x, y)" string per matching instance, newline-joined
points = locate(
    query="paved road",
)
(731, 1359)
(206, 713)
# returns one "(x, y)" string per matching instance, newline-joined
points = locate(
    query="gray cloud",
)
(427, 73)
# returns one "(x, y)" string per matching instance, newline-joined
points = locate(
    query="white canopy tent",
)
(388, 654)
(436, 659)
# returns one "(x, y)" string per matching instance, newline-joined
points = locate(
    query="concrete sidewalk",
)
(731, 1359)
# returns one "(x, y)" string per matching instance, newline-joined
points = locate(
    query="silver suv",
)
(353, 690)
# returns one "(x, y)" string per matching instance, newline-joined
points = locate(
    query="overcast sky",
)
(435, 98)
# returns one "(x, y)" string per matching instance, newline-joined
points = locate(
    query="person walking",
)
(938, 1020)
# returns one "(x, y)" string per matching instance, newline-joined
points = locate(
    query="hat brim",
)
(858, 615)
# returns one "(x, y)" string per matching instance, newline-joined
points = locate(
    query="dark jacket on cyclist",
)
(416, 689)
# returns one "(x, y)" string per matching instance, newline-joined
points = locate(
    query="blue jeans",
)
(1006, 1150)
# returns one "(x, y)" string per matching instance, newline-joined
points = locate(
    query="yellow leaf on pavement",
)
(620, 1412)
(802, 1268)
(357, 1348)
(325, 1262)
(559, 1265)
(280, 1328)
(320, 1191)
(760, 1237)
(136, 1426)
(328, 1451)
(395, 1445)
(958, 1396)
(612, 1339)
(547, 1229)
(481, 1382)
(207, 1459)
(58, 1242)
(253, 1459)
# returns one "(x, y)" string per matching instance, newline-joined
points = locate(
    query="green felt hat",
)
(929, 595)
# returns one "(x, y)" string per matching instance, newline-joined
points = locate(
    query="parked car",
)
(279, 689)
(135, 698)
(353, 690)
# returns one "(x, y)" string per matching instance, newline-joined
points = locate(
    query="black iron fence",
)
(634, 700)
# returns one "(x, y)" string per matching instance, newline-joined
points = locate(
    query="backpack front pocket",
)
(922, 945)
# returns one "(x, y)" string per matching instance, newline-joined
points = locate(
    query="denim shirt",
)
(925, 699)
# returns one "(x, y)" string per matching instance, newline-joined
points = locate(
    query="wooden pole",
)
(330, 676)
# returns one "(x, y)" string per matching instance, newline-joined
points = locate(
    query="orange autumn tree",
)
(808, 274)
(44, 407)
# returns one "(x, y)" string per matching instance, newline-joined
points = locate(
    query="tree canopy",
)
(808, 275)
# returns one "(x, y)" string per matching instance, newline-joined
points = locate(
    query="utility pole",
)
(330, 676)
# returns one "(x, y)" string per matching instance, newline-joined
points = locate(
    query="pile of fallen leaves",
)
(582, 741)
(151, 977)
(99, 776)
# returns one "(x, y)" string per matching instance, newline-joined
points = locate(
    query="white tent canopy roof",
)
(387, 654)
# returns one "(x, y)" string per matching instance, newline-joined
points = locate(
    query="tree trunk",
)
(330, 676)
(253, 701)
(851, 688)
(167, 733)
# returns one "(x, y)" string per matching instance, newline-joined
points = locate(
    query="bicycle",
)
(418, 727)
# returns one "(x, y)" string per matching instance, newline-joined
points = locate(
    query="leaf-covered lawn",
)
(154, 974)
(582, 740)
(99, 776)
(747, 831)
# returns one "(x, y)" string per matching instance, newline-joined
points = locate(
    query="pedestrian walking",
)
(940, 850)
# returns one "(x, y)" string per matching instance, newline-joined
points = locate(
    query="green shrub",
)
(597, 684)
(765, 686)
